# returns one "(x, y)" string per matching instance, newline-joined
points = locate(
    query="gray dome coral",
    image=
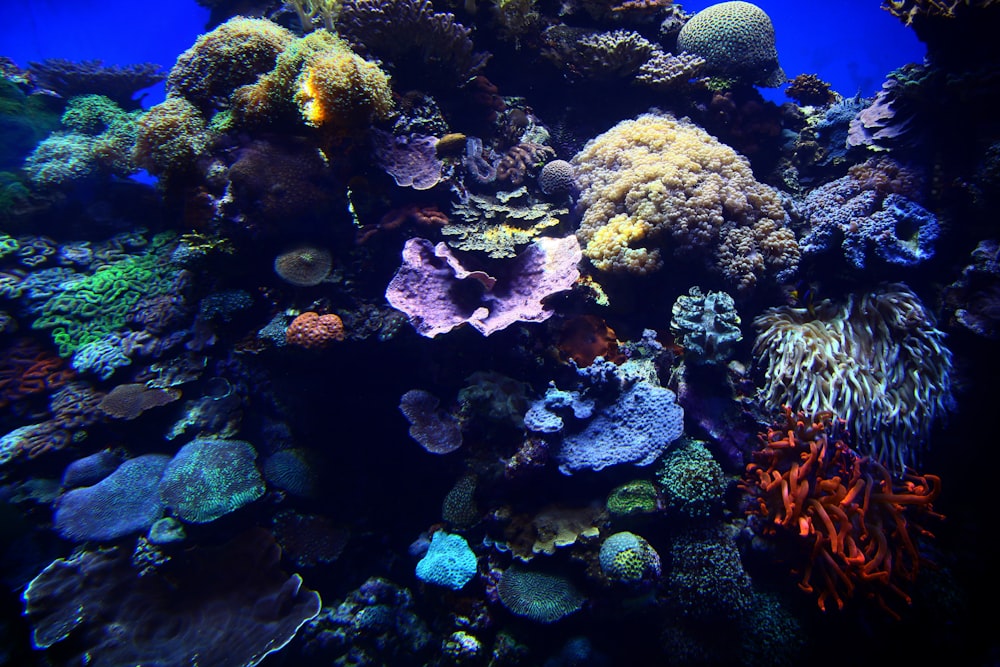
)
(736, 39)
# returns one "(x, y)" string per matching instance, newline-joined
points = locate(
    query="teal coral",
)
(86, 310)
(449, 561)
(209, 478)
(636, 497)
(542, 597)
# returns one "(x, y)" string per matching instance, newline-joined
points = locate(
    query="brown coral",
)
(522, 160)
(303, 266)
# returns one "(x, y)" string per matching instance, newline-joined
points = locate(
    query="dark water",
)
(157, 251)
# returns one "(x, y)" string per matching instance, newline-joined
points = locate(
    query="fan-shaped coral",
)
(539, 596)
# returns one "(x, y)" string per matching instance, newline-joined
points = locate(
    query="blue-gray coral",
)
(636, 429)
(209, 478)
(707, 326)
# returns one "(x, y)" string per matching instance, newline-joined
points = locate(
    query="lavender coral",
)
(658, 184)
(438, 293)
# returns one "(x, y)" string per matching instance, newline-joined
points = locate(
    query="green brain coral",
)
(86, 310)
(736, 39)
(636, 497)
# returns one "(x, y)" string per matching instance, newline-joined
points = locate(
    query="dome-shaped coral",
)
(303, 266)
(557, 177)
(736, 39)
(314, 331)
(629, 559)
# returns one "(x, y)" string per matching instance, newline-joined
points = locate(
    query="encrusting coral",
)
(657, 183)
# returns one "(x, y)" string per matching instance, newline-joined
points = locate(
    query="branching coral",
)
(659, 183)
(851, 516)
(877, 361)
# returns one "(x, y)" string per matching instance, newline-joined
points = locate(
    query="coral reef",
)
(707, 326)
(209, 478)
(542, 597)
(449, 561)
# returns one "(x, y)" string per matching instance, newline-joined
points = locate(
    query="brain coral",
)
(124, 502)
(539, 596)
(736, 39)
(657, 183)
(210, 477)
(314, 331)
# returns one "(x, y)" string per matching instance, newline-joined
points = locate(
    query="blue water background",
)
(852, 44)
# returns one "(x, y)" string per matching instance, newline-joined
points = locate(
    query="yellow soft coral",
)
(657, 183)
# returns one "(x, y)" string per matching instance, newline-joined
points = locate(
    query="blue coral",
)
(449, 561)
(636, 429)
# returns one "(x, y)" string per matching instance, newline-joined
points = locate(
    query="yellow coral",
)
(658, 183)
(337, 88)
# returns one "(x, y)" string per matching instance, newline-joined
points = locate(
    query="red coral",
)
(849, 515)
(26, 369)
(314, 331)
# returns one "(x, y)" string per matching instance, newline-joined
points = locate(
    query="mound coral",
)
(303, 266)
(314, 331)
(657, 183)
(693, 482)
(854, 517)
(171, 134)
(539, 596)
(629, 559)
(449, 561)
(209, 478)
(876, 361)
(233, 54)
(736, 39)
(639, 496)
(122, 503)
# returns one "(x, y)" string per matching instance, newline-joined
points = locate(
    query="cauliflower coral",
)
(658, 183)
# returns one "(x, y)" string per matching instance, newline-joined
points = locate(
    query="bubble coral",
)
(209, 478)
(736, 39)
(303, 266)
(657, 183)
(539, 596)
(313, 331)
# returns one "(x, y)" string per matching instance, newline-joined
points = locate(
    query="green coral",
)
(499, 225)
(636, 497)
(692, 480)
(628, 558)
(92, 114)
(24, 121)
(86, 310)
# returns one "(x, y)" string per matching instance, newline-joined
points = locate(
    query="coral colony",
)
(495, 334)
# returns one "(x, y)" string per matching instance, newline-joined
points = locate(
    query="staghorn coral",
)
(92, 77)
(422, 48)
(597, 56)
(232, 55)
(313, 331)
(853, 518)
(876, 361)
(736, 39)
(657, 183)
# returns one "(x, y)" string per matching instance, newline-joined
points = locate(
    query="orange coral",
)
(586, 337)
(314, 331)
(847, 511)
(26, 368)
